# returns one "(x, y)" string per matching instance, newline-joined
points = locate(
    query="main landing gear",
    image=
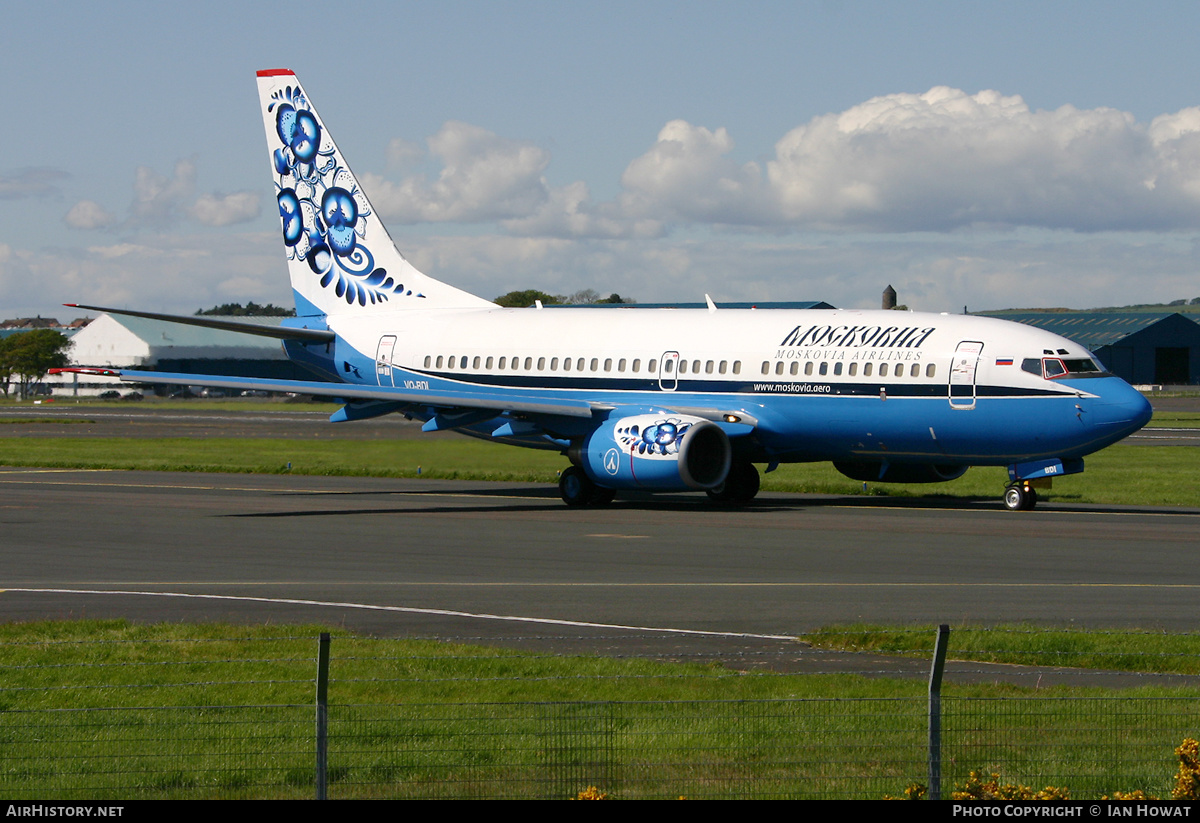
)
(577, 489)
(1020, 497)
(739, 488)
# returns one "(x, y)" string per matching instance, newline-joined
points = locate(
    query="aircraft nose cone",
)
(1122, 407)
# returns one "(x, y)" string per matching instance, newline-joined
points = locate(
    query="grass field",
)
(107, 709)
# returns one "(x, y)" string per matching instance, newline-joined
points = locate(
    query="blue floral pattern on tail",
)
(322, 211)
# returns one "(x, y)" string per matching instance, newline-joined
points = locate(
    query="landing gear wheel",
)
(576, 488)
(739, 488)
(1020, 498)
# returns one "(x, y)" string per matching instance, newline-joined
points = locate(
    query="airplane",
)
(657, 399)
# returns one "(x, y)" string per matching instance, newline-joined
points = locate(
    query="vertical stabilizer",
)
(340, 257)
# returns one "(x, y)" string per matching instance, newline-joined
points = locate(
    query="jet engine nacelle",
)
(663, 451)
(874, 471)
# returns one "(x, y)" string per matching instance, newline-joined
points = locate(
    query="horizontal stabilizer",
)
(278, 332)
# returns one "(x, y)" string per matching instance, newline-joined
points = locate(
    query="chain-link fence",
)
(234, 718)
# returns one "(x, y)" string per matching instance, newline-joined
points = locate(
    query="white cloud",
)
(157, 272)
(568, 212)
(484, 177)
(226, 209)
(88, 214)
(402, 154)
(934, 162)
(159, 200)
(686, 174)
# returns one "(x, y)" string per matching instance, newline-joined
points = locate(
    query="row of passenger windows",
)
(851, 369)
(580, 364)
(634, 366)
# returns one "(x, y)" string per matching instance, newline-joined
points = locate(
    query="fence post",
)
(935, 712)
(322, 713)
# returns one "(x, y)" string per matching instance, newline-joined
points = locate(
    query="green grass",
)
(108, 709)
(1127, 651)
(1121, 474)
(1175, 420)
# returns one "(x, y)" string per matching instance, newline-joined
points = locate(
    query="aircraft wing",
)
(509, 400)
(278, 332)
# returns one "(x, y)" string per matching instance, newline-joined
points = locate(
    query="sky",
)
(986, 155)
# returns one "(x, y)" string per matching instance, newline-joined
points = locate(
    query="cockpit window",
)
(1053, 367)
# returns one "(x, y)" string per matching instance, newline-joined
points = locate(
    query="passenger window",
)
(608, 364)
(723, 366)
(450, 361)
(837, 368)
(930, 370)
(695, 367)
(795, 367)
(823, 369)
(427, 359)
(651, 365)
(463, 362)
(867, 368)
(621, 365)
(708, 367)
(474, 363)
(566, 364)
(541, 364)
(779, 367)
(501, 363)
(579, 365)
(637, 364)
(914, 370)
(883, 369)
(853, 369)
(737, 366)
(595, 363)
(766, 367)
(488, 364)
(808, 369)
(528, 363)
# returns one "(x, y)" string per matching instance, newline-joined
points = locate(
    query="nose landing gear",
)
(1020, 497)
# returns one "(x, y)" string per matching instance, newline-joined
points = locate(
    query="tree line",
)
(29, 355)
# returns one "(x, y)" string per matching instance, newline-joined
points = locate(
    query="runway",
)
(454, 559)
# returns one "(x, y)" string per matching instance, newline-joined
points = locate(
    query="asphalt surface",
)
(509, 563)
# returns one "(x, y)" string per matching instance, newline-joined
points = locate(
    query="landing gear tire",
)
(576, 488)
(740, 486)
(1019, 498)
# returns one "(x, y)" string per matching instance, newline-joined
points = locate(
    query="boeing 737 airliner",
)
(659, 399)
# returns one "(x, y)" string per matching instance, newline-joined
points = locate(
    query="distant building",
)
(1141, 347)
(26, 323)
(889, 299)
